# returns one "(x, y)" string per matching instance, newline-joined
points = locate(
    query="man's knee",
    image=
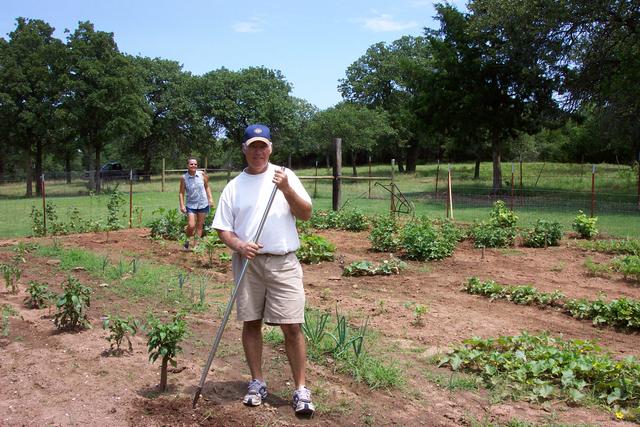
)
(291, 331)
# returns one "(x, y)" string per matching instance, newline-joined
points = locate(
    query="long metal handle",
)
(234, 293)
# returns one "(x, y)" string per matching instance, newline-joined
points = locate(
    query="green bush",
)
(384, 234)
(499, 231)
(422, 239)
(545, 233)
(169, 225)
(11, 274)
(39, 295)
(314, 249)
(585, 226)
(163, 340)
(72, 305)
(345, 219)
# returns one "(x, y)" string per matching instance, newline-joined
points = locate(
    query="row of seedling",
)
(621, 312)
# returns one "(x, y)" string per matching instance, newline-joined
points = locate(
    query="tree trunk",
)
(412, 156)
(38, 170)
(28, 173)
(163, 374)
(476, 171)
(497, 169)
(354, 157)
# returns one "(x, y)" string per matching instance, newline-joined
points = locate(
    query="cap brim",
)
(257, 138)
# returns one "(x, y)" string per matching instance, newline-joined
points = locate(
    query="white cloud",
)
(386, 23)
(254, 25)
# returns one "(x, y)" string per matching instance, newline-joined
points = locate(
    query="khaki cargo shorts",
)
(272, 289)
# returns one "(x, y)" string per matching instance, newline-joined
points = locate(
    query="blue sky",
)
(311, 42)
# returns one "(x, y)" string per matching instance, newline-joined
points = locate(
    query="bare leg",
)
(252, 343)
(296, 352)
(200, 223)
(191, 225)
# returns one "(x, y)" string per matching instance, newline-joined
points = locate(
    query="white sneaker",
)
(256, 393)
(301, 402)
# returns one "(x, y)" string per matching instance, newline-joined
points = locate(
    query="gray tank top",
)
(196, 196)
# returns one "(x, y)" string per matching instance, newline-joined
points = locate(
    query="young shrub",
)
(119, 329)
(368, 268)
(595, 269)
(322, 220)
(352, 220)
(11, 274)
(585, 226)
(163, 340)
(169, 225)
(545, 233)
(116, 201)
(314, 249)
(422, 240)
(72, 305)
(384, 234)
(499, 231)
(39, 295)
(208, 245)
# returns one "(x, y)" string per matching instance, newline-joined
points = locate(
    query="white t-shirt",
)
(243, 202)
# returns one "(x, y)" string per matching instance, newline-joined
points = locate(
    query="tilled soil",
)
(62, 378)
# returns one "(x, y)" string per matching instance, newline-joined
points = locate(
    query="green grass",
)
(418, 188)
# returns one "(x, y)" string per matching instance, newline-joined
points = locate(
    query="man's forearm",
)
(230, 239)
(300, 208)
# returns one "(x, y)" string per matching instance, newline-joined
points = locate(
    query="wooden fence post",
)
(435, 192)
(163, 167)
(337, 172)
(44, 206)
(370, 176)
(449, 195)
(130, 198)
(513, 169)
(392, 206)
(593, 190)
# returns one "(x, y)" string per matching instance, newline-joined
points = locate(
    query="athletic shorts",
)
(271, 290)
(197, 211)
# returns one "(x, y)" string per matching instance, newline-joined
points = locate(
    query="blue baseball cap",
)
(256, 132)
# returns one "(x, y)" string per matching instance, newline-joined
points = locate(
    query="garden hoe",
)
(234, 293)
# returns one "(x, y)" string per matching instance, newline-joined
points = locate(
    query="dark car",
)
(111, 171)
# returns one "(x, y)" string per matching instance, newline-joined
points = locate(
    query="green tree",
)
(32, 68)
(384, 77)
(105, 92)
(176, 124)
(359, 127)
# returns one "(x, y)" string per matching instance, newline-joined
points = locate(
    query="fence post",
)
(162, 186)
(370, 176)
(512, 185)
(337, 172)
(315, 183)
(44, 206)
(435, 193)
(449, 195)
(593, 190)
(638, 179)
(521, 187)
(392, 205)
(130, 198)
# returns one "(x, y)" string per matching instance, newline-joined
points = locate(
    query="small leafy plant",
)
(120, 329)
(499, 231)
(545, 233)
(422, 239)
(163, 340)
(596, 269)
(368, 268)
(169, 225)
(39, 295)
(114, 204)
(628, 265)
(72, 305)
(11, 274)
(315, 249)
(208, 245)
(585, 226)
(384, 235)
(7, 311)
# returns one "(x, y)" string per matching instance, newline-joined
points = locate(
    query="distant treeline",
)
(544, 80)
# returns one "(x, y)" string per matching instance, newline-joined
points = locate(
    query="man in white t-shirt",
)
(272, 289)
